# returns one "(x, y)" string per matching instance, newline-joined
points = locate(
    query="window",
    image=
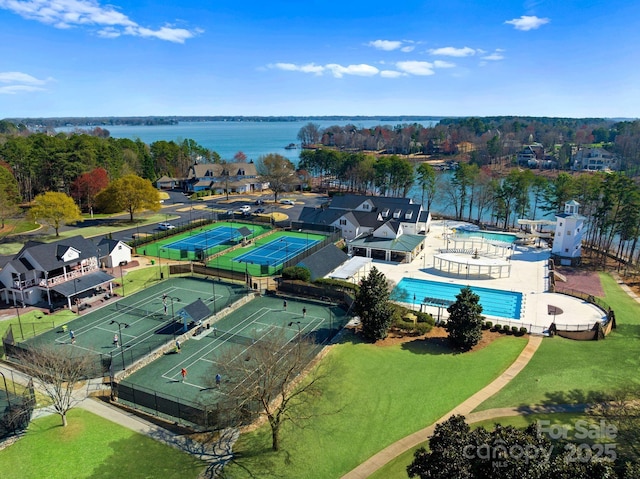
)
(568, 232)
(343, 222)
(566, 250)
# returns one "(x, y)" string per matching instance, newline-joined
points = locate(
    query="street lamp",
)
(172, 298)
(6, 389)
(19, 320)
(122, 277)
(113, 321)
(213, 298)
(75, 294)
(297, 323)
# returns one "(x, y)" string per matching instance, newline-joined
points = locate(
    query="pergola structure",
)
(471, 265)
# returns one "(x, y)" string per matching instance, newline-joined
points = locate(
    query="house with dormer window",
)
(397, 225)
(223, 177)
(50, 274)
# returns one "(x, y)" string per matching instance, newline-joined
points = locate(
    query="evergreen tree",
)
(465, 320)
(373, 306)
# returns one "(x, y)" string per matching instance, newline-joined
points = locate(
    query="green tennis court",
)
(143, 321)
(237, 330)
(208, 240)
(267, 255)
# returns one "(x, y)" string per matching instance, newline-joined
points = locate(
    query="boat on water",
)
(291, 146)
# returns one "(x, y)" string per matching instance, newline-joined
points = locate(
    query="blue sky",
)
(218, 57)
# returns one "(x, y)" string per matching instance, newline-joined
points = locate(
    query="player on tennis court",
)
(183, 372)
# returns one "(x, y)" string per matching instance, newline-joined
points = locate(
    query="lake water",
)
(253, 138)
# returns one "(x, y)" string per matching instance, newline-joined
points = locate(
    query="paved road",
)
(180, 209)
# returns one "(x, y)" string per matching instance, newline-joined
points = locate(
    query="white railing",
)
(69, 276)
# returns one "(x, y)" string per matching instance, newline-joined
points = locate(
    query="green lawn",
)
(397, 469)
(92, 447)
(375, 397)
(572, 372)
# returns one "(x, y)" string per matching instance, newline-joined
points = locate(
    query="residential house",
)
(167, 183)
(595, 159)
(51, 274)
(221, 178)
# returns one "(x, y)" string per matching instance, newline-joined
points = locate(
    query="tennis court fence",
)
(174, 408)
(179, 228)
(16, 408)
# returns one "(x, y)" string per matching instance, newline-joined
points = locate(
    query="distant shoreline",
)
(97, 121)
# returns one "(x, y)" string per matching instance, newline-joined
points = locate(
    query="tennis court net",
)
(234, 338)
(139, 312)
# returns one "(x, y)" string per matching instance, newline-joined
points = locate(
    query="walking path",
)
(375, 462)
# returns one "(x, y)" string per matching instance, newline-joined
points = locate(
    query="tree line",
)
(483, 140)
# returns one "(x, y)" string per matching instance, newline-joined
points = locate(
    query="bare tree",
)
(265, 378)
(58, 371)
(278, 171)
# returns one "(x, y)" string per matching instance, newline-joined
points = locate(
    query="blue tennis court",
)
(206, 239)
(277, 251)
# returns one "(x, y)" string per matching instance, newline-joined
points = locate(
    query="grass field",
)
(92, 447)
(572, 372)
(375, 396)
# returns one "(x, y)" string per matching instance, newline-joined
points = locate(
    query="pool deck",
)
(529, 275)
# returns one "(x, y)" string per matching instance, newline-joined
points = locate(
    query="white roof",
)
(350, 268)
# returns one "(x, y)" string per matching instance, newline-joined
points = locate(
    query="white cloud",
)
(405, 46)
(386, 45)
(71, 13)
(495, 56)
(416, 68)
(443, 64)
(359, 70)
(391, 74)
(453, 51)
(292, 67)
(17, 77)
(527, 22)
(17, 82)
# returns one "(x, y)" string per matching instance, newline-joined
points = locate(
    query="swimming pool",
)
(495, 302)
(489, 235)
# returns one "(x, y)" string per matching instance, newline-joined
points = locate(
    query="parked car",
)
(245, 208)
(287, 202)
(258, 211)
(165, 226)
(259, 202)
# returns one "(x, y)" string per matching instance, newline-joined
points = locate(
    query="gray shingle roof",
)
(323, 261)
(48, 255)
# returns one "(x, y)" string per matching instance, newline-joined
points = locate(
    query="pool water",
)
(495, 302)
(489, 235)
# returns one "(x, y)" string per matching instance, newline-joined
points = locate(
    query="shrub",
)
(514, 329)
(297, 272)
(488, 324)
(338, 284)
(423, 328)
(523, 331)
(425, 318)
